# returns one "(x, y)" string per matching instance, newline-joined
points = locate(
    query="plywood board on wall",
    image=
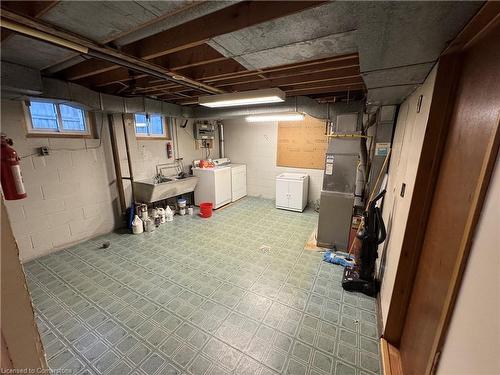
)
(302, 144)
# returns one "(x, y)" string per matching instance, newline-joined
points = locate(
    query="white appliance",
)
(214, 185)
(238, 181)
(238, 177)
(291, 191)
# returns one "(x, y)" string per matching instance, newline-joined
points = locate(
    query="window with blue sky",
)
(57, 118)
(149, 125)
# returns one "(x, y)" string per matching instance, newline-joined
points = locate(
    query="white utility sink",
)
(148, 191)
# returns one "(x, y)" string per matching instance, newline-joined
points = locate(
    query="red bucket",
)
(206, 209)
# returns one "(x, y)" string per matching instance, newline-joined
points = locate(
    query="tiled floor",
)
(201, 297)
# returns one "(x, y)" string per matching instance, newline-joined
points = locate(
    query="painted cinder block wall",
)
(255, 144)
(72, 193)
(146, 154)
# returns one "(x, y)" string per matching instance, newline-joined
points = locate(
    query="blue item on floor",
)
(131, 215)
(341, 258)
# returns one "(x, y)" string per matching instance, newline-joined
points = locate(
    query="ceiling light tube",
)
(276, 117)
(253, 97)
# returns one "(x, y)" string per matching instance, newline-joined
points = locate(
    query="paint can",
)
(181, 202)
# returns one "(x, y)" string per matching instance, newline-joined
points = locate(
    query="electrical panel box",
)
(204, 130)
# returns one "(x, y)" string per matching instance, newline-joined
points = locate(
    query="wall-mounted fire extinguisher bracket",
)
(12, 179)
(169, 150)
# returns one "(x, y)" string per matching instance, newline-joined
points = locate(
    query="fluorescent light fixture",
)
(276, 117)
(243, 98)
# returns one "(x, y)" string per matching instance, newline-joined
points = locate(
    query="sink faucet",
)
(157, 178)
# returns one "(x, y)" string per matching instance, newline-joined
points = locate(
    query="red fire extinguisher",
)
(12, 180)
(169, 150)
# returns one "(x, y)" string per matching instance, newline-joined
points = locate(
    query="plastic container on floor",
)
(149, 225)
(161, 214)
(181, 202)
(169, 214)
(137, 225)
(206, 209)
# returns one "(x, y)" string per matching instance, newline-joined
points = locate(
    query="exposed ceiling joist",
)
(33, 9)
(197, 32)
(48, 33)
(322, 72)
(349, 71)
(325, 89)
(323, 68)
(331, 62)
(200, 30)
(109, 74)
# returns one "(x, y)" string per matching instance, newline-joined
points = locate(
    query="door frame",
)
(441, 111)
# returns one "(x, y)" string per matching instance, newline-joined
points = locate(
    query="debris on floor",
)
(265, 249)
(311, 243)
(340, 258)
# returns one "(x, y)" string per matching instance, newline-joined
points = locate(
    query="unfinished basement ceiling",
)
(326, 50)
(32, 53)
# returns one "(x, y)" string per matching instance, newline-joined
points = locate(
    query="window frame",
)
(165, 125)
(59, 132)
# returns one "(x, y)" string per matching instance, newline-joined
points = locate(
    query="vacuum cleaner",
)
(361, 277)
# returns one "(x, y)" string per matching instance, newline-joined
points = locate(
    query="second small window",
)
(150, 125)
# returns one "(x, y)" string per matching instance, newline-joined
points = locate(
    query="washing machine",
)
(214, 185)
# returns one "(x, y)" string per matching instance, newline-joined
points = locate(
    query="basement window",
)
(50, 118)
(150, 126)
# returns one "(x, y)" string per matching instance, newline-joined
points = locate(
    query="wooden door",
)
(469, 152)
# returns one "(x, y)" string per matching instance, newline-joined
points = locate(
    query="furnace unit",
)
(337, 194)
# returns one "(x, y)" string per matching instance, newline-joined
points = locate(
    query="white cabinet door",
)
(281, 193)
(295, 193)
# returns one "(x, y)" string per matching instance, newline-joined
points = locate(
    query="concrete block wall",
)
(72, 193)
(255, 144)
(146, 154)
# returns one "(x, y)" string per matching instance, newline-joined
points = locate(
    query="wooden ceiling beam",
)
(223, 21)
(352, 72)
(197, 32)
(87, 68)
(49, 33)
(295, 91)
(325, 89)
(292, 83)
(288, 76)
(336, 82)
(102, 73)
(296, 85)
(338, 61)
(214, 69)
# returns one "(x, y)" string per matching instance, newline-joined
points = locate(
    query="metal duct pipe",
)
(222, 150)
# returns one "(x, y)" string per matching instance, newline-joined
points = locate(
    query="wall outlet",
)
(44, 151)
